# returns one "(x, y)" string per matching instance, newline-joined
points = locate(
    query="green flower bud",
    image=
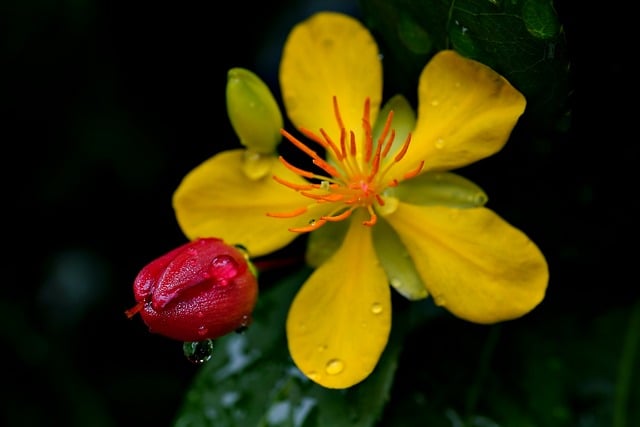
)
(253, 111)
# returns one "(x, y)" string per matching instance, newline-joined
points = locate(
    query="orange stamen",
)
(293, 186)
(291, 214)
(296, 170)
(335, 218)
(311, 227)
(355, 178)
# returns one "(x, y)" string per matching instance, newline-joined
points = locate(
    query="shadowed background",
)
(110, 104)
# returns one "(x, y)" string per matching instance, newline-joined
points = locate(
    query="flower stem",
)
(625, 368)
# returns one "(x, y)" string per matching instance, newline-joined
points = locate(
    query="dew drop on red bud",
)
(198, 352)
(201, 290)
(224, 268)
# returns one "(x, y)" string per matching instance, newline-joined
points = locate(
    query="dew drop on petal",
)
(313, 375)
(334, 366)
(322, 347)
(198, 352)
(439, 143)
(376, 308)
(202, 331)
(435, 102)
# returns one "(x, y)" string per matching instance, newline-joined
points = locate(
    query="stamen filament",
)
(317, 160)
(293, 186)
(403, 150)
(311, 227)
(296, 170)
(413, 173)
(342, 216)
(291, 214)
(336, 111)
(385, 131)
(331, 197)
(372, 219)
(356, 177)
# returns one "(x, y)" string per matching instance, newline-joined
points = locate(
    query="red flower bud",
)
(201, 290)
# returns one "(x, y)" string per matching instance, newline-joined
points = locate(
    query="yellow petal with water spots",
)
(466, 112)
(473, 262)
(217, 199)
(330, 54)
(339, 322)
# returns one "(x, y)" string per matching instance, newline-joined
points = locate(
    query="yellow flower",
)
(382, 206)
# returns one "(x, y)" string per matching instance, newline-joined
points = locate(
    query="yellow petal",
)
(330, 54)
(339, 322)
(466, 112)
(473, 262)
(218, 199)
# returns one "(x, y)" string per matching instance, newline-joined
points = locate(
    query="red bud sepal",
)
(201, 290)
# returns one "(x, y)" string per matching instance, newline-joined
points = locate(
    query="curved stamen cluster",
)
(358, 178)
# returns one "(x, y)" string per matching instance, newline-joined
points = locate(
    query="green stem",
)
(625, 368)
(483, 369)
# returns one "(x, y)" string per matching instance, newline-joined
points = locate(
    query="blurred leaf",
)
(569, 370)
(251, 381)
(521, 39)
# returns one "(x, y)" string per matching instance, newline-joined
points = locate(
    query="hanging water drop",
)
(198, 352)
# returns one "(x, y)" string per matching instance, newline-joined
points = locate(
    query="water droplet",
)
(313, 375)
(435, 102)
(376, 308)
(244, 323)
(325, 185)
(202, 331)
(334, 366)
(439, 143)
(312, 222)
(224, 268)
(439, 300)
(395, 282)
(198, 352)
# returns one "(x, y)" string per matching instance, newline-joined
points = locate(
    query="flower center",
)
(356, 178)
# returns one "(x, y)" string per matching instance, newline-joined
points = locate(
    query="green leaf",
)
(521, 39)
(555, 370)
(251, 380)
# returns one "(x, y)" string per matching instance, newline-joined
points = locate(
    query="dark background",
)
(110, 104)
